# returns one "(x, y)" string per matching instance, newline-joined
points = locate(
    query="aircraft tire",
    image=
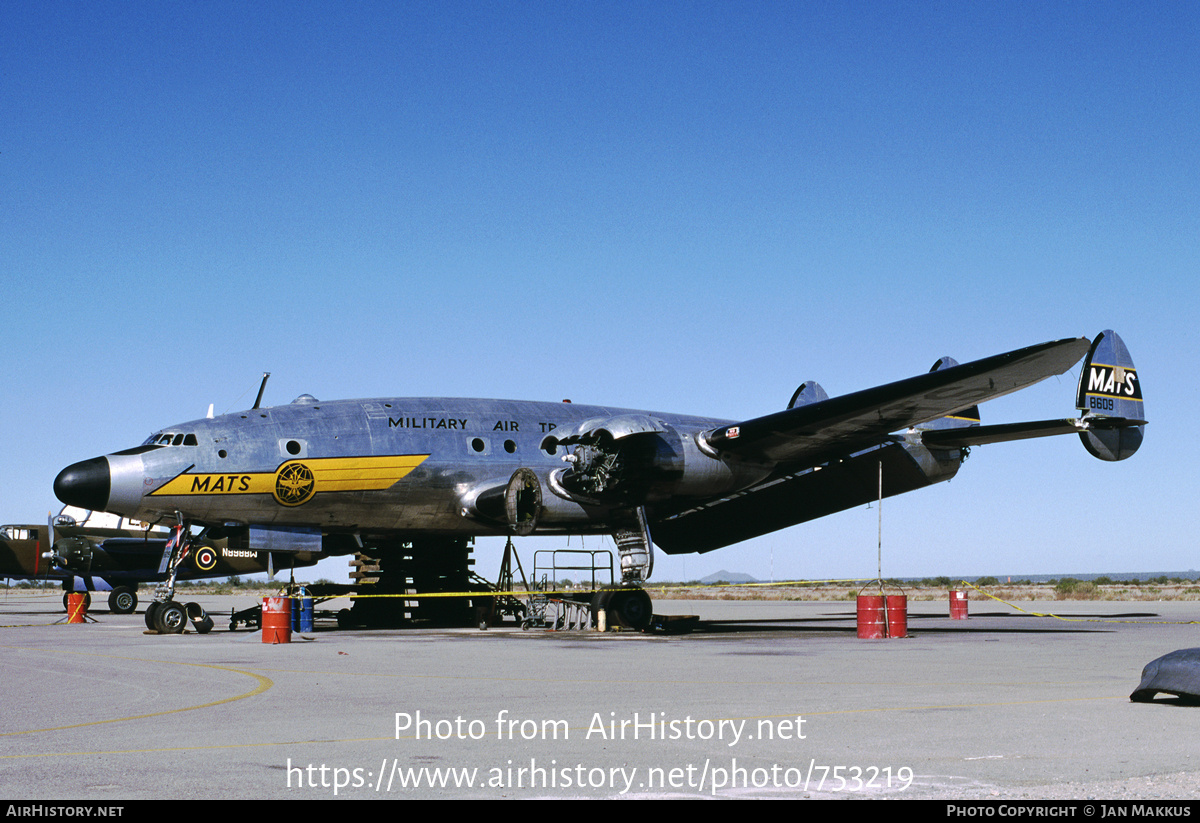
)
(171, 618)
(345, 619)
(631, 609)
(87, 600)
(122, 600)
(151, 610)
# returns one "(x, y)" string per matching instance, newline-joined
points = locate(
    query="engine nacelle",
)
(636, 459)
(525, 504)
(72, 554)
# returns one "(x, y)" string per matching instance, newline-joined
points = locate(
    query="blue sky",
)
(683, 207)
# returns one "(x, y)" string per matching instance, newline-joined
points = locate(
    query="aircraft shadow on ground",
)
(822, 624)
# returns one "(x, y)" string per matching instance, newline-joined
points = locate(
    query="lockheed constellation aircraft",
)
(413, 479)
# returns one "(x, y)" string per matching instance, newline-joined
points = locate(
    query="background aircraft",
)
(90, 551)
(414, 479)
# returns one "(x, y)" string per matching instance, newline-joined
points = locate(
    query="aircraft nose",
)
(85, 484)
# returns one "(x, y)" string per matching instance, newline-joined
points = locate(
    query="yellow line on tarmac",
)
(264, 683)
(220, 747)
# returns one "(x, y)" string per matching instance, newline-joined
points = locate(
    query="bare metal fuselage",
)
(457, 448)
(425, 466)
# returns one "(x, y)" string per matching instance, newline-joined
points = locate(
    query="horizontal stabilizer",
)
(1008, 432)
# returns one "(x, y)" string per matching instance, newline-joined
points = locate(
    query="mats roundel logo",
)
(294, 484)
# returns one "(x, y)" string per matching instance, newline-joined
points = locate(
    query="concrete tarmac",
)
(766, 699)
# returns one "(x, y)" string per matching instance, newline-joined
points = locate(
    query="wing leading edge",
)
(851, 422)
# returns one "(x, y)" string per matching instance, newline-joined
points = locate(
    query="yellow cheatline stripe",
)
(350, 465)
(329, 473)
(210, 483)
(264, 683)
(361, 473)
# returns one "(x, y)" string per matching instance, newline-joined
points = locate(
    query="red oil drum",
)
(870, 616)
(277, 620)
(958, 604)
(880, 616)
(76, 608)
(897, 615)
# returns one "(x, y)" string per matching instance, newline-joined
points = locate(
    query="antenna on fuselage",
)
(261, 389)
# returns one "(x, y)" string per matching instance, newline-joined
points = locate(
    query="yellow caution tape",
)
(1076, 619)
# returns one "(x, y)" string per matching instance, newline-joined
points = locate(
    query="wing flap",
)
(788, 500)
(861, 419)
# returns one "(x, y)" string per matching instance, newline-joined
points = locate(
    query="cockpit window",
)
(171, 439)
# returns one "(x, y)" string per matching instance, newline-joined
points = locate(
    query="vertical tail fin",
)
(958, 420)
(1109, 387)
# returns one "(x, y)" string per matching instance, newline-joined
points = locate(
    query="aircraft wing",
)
(813, 432)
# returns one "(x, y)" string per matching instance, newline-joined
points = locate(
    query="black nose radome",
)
(85, 484)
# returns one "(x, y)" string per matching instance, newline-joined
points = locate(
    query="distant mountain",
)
(728, 577)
